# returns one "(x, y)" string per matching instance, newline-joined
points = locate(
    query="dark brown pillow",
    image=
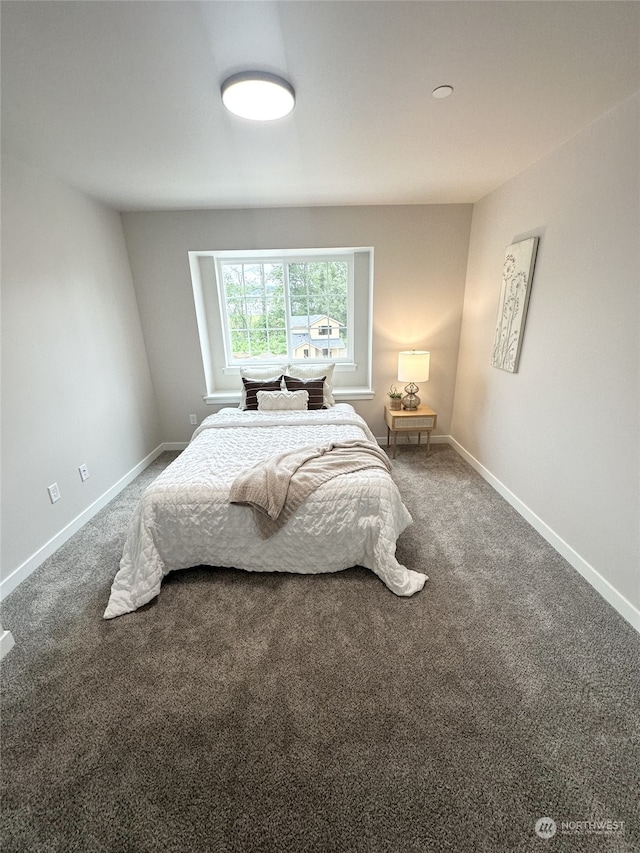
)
(252, 387)
(314, 387)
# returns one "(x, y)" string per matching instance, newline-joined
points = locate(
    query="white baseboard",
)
(600, 584)
(31, 564)
(6, 643)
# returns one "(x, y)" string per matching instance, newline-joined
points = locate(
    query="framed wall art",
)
(517, 273)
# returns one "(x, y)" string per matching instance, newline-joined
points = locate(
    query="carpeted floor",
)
(248, 713)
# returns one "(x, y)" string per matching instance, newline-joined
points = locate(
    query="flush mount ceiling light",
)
(258, 95)
(442, 92)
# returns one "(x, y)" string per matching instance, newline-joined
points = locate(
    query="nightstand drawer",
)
(415, 423)
(411, 422)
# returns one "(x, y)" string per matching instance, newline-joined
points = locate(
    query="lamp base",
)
(410, 401)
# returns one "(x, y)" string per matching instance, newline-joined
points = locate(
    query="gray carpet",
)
(242, 713)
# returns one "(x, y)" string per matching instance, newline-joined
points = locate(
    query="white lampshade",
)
(258, 96)
(413, 366)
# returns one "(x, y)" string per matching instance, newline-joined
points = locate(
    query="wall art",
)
(517, 273)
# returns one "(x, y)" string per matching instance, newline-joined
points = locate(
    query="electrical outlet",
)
(84, 472)
(54, 492)
(193, 420)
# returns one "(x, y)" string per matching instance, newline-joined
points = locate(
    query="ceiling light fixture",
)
(258, 95)
(442, 92)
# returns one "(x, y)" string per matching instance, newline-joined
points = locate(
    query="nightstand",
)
(422, 419)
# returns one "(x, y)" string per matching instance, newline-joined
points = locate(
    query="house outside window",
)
(310, 336)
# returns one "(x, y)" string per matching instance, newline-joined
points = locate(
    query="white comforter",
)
(184, 518)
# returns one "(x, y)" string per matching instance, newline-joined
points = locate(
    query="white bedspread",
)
(184, 518)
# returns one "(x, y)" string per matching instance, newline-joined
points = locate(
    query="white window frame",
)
(284, 257)
(352, 380)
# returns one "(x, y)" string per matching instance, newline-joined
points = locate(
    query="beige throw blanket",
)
(277, 487)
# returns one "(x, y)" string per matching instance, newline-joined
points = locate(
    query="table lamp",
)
(413, 366)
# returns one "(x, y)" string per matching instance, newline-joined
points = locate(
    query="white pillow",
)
(259, 374)
(315, 371)
(282, 401)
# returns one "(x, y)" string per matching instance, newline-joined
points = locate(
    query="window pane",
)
(298, 294)
(232, 279)
(278, 342)
(254, 308)
(257, 321)
(317, 287)
(337, 290)
(240, 344)
(299, 309)
(273, 278)
(237, 322)
(258, 343)
(297, 278)
(275, 313)
(236, 314)
(253, 285)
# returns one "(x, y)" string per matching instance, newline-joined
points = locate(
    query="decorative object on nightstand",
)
(422, 419)
(413, 366)
(395, 398)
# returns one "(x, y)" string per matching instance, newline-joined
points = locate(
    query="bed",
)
(185, 518)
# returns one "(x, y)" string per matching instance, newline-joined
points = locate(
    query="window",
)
(285, 308)
(267, 307)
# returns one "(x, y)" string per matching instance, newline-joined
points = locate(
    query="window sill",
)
(340, 366)
(341, 395)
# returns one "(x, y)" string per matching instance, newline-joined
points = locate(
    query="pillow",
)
(314, 387)
(260, 374)
(251, 389)
(314, 371)
(282, 401)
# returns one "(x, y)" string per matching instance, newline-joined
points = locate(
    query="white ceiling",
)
(122, 99)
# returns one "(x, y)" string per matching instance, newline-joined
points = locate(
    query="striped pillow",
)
(260, 374)
(251, 389)
(314, 387)
(312, 371)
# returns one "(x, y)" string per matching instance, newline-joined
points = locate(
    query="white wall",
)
(563, 434)
(76, 386)
(420, 263)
